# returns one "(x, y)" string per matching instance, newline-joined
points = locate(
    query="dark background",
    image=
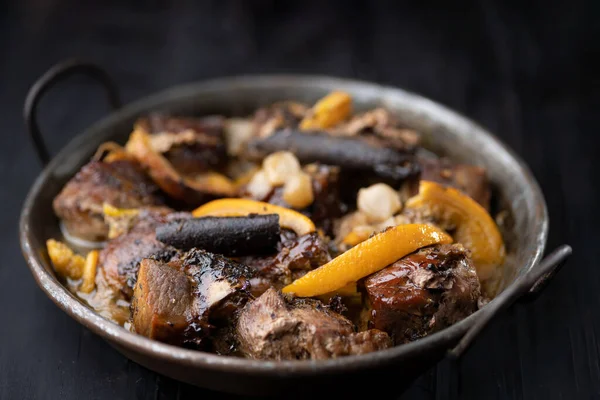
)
(524, 72)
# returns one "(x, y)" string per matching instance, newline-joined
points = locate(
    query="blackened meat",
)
(119, 260)
(121, 184)
(192, 145)
(471, 179)
(273, 327)
(295, 256)
(421, 293)
(185, 301)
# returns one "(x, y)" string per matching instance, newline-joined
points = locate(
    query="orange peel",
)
(475, 228)
(367, 258)
(288, 218)
(66, 263)
(327, 112)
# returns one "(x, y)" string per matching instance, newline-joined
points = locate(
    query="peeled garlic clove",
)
(280, 166)
(259, 186)
(237, 132)
(297, 191)
(379, 202)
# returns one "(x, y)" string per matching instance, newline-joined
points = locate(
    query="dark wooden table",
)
(527, 74)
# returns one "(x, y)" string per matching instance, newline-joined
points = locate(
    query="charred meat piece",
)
(285, 114)
(382, 124)
(326, 206)
(274, 327)
(295, 257)
(191, 145)
(184, 301)
(217, 279)
(351, 153)
(230, 236)
(119, 260)
(187, 190)
(162, 300)
(471, 179)
(421, 293)
(121, 183)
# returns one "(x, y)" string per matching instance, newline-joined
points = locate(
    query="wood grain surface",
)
(525, 73)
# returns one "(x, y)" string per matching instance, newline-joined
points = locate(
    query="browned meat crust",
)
(120, 259)
(295, 257)
(192, 145)
(275, 328)
(121, 184)
(471, 179)
(184, 301)
(162, 299)
(421, 293)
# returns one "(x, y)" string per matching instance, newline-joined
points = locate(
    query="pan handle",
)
(54, 75)
(527, 288)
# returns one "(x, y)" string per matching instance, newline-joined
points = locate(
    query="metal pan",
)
(444, 131)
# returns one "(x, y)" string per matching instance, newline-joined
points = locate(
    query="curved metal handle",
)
(528, 287)
(54, 75)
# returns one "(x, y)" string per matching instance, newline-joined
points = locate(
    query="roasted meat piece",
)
(377, 125)
(274, 327)
(186, 300)
(280, 115)
(295, 257)
(382, 124)
(119, 261)
(191, 145)
(471, 179)
(121, 183)
(421, 293)
(161, 303)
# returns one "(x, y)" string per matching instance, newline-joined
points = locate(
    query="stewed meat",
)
(161, 302)
(471, 179)
(281, 115)
(120, 183)
(381, 124)
(186, 300)
(119, 261)
(295, 257)
(421, 293)
(274, 327)
(192, 145)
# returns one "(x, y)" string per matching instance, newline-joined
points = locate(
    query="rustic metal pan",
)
(444, 131)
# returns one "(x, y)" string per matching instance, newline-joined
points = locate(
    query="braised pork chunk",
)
(119, 261)
(184, 301)
(191, 145)
(273, 327)
(121, 184)
(295, 256)
(421, 293)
